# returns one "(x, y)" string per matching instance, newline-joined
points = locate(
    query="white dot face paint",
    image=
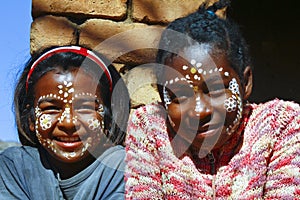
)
(192, 73)
(215, 98)
(230, 104)
(167, 98)
(234, 103)
(95, 124)
(68, 114)
(198, 105)
(100, 110)
(45, 121)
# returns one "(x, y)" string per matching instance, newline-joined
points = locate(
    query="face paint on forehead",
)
(65, 90)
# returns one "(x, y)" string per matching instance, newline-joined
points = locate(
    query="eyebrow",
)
(216, 78)
(86, 98)
(48, 99)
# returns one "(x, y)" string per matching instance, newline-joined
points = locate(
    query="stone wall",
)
(126, 31)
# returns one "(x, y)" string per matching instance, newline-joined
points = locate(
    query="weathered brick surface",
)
(141, 83)
(162, 11)
(50, 30)
(112, 9)
(121, 32)
(116, 40)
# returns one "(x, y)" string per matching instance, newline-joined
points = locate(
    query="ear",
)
(248, 82)
(31, 125)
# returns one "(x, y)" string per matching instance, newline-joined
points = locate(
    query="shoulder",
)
(278, 106)
(19, 159)
(276, 110)
(114, 157)
(19, 152)
(275, 117)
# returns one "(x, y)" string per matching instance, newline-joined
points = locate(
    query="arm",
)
(11, 184)
(143, 176)
(283, 176)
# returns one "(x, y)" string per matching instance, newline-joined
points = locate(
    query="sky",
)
(14, 51)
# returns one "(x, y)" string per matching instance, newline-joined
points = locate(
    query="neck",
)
(67, 170)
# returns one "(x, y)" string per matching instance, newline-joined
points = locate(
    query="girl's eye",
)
(181, 95)
(84, 108)
(50, 109)
(215, 89)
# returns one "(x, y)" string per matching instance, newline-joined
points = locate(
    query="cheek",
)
(92, 122)
(44, 123)
(95, 125)
(176, 112)
(233, 103)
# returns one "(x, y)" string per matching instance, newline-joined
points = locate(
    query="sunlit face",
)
(68, 114)
(203, 97)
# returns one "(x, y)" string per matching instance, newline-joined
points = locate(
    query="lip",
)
(68, 143)
(207, 131)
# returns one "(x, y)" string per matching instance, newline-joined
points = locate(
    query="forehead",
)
(198, 60)
(57, 80)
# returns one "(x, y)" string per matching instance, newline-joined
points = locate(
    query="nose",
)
(67, 121)
(201, 108)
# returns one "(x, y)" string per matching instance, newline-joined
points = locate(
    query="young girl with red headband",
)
(72, 137)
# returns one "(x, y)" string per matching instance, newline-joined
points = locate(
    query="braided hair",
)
(205, 27)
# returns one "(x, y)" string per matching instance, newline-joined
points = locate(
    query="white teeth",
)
(68, 139)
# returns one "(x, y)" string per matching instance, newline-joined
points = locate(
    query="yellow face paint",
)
(195, 88)
(193, 70)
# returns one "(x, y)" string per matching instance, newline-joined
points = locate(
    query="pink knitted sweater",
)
(266, 167)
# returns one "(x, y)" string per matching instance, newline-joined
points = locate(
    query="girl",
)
(72, 136)
(206, 141)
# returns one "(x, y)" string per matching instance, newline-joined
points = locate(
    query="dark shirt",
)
(23, 176)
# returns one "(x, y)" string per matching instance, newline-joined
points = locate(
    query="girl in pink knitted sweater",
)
(205, 141)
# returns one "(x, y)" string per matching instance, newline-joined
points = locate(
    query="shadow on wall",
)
(272, 31)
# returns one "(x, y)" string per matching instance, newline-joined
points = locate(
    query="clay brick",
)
(112, 9)
(164, 11)
(141, 84)
(49, 30)
(118, 40)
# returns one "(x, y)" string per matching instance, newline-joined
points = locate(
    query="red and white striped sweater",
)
(266, 167)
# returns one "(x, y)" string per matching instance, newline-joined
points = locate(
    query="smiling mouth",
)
(207, 130)
(68, 139)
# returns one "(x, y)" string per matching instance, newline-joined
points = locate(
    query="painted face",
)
(202, 95)
(68, 114)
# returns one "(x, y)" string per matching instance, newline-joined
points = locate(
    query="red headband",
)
(75, 49)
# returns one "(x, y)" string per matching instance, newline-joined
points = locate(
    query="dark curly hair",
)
(205, 27)
(116, 113)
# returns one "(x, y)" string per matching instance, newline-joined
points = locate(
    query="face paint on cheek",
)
(167, 98)
(45, 142)
(100, 110)
(95, 125)
(45, 121)
(230, 104)
(234, 103)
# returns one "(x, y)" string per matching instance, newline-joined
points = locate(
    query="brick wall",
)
(126, 31)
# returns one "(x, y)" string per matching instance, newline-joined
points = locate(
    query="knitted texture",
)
(266, 167)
